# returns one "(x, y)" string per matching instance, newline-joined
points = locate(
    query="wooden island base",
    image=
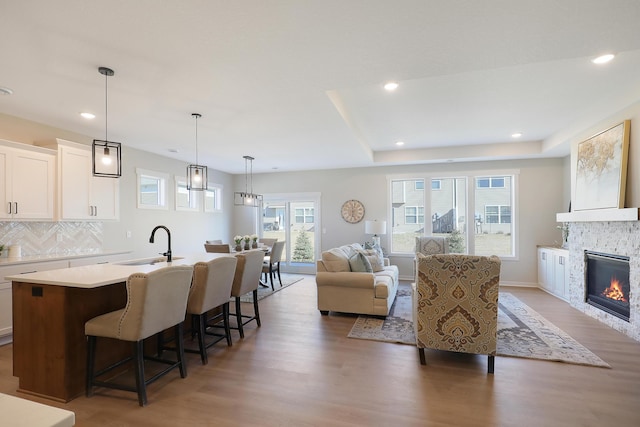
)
(49, 344)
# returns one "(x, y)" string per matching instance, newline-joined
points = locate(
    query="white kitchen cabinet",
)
(6, 312)
(27, 186)
(80, 195)
(553, 271)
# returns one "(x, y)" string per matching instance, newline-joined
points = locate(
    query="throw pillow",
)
(360, 264)
(375, 259)
(335, 260)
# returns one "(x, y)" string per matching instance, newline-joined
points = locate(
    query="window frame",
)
(217, 191)
(471, 177)
(162, 179)
(194, 196)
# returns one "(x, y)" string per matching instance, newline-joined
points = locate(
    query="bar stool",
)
(247, 279)
(155, 301)
(212, 282)
(217, 248)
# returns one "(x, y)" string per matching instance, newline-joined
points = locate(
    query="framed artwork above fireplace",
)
(601, 169)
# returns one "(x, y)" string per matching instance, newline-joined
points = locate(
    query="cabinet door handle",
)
(16, 211)
(95, 210)
(9, 207)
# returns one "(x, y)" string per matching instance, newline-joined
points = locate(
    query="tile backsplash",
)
(46, 238)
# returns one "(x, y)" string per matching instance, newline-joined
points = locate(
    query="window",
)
(304, 216)
(213, 198)
(490, 182)
(414, 215)
(186, 200)
(152, 189)
(447, 204)
(497, 214)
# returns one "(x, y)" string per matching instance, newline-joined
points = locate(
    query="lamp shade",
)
(375, 227)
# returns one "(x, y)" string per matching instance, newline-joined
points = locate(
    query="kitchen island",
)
(50, 309)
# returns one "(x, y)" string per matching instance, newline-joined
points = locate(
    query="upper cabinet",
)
(27, 182)
(82, 196)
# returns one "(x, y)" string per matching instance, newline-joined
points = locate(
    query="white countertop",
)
(55, 257)
(93, 276)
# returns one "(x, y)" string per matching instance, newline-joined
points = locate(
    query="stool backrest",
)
(212, 283)
(248, 272)
(155, 301)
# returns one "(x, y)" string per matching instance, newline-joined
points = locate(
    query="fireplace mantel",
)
(593, 215)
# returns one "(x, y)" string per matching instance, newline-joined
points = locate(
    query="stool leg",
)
(179, 332)
(239, 317)
(91, 355)
(255, 305)
(201, 326)
(225, 322)
(141, 385)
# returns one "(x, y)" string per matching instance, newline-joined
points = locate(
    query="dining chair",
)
(271, 263)
(217, 248)
(267, 241)
(247, 279)
(211, 288)
(155, 301)
(214, 242)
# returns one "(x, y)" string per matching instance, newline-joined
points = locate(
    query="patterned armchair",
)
(432, 245)
(455, 304)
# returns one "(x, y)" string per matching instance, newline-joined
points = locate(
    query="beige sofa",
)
(342, 289)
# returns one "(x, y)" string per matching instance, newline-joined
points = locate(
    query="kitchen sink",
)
(148, 261)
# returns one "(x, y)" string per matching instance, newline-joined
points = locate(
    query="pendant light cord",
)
(106, 107)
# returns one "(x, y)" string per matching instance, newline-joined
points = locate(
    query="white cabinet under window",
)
(553, 271)
(26, 182)
(82, 196)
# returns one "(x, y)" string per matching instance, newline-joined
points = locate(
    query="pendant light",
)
(248, 197)
(106, 156)
(196, 174)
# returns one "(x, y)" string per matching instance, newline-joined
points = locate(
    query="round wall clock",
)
(352, 211)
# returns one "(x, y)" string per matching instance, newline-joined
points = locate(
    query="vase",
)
(246, 246)
(254, 245)
(238, 248)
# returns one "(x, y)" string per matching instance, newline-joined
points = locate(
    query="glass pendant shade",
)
(196, 177)
(107, 159)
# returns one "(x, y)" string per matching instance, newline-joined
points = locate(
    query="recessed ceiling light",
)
(173, 150)
(603, 59)
(400, 143)
(88, 116)
(516, 135)
(391, 86)
(5, 91)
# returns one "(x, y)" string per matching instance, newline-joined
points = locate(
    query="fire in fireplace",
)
(607, 280)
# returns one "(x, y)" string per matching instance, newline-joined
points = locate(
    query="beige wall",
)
(541, 196)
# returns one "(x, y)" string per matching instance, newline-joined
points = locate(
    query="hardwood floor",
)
(300, 369)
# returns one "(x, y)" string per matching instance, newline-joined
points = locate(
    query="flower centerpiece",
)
(238, 242)
(254, 241)
(247, 239)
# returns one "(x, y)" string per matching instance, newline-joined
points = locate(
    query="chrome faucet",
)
(168, 253)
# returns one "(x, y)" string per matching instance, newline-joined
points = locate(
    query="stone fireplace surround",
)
(614, 237)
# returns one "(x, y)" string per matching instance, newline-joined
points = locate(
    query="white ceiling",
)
(297, 84)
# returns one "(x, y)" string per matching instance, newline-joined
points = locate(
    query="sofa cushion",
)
(376, 261)
(351, 249)
(335, 260)
(359, 263)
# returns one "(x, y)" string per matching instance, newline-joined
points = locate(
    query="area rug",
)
(287, 280)
(522, 332)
